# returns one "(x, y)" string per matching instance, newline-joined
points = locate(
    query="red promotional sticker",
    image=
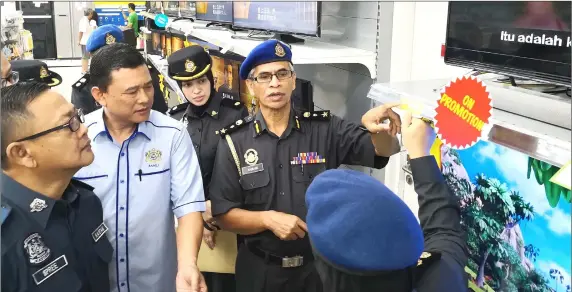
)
(463, 111)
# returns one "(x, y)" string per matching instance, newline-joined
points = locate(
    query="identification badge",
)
(252, 169)
(99, 232)
(50, 269)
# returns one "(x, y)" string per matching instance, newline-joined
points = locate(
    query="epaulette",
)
(177, 109)
(82, 82)
(316, 115)
(81, 185)
(234, 126)
(231, 103)
(5, 212)
(426, 260)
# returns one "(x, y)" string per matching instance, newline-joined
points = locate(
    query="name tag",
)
(253, 168)
(50, 269)
(99, 232)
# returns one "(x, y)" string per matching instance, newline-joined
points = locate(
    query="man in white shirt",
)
(86, 25)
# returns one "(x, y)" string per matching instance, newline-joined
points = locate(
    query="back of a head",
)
(110, 58)
(103, 36)
(362, 233)
(87, 11)
(131, 6)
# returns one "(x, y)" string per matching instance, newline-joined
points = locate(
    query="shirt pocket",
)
(307, 172)
(153, 179)
(54, 276)
(256, 187)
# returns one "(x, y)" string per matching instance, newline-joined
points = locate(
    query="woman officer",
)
(205, 113)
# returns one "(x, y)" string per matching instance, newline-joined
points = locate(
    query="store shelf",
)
(547, 139)
(312, 51)
(162, 66)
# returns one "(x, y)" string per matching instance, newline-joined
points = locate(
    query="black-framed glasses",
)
(13, 78)
(73, 124)
(266, 77)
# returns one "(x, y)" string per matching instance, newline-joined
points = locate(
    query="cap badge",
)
(279, 50)
(109, 39)
(44, 72)
(190, 66)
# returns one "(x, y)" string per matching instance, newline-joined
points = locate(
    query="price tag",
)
(562, 177)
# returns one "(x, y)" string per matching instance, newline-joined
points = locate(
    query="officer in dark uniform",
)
(81, 89)
(36, 70)
(265, 163)
(204, 113)
(53, 235)
(366, 239)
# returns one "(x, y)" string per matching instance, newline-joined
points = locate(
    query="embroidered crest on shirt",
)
(251, 157)
(153, 157)
(36, 249)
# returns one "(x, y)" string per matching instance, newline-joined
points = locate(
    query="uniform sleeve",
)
(82, 99)
(353, 145)
(159, 103)
(225, 190)
(187, 193)
(439, 211)
(9, 271)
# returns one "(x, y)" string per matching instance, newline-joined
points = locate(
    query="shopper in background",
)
(36, 70)
(9, 76)
(53, 235)
(132, 19)
(426, 258)
(265, 163)
(145, 171)
(204, 114)
(86, 25)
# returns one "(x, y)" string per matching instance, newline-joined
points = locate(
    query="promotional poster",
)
(518, 223)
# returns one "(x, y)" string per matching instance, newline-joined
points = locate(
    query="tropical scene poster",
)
(518, 223)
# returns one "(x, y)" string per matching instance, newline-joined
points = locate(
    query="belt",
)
(285, 262)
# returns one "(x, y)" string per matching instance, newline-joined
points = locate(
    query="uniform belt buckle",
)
(292, 262)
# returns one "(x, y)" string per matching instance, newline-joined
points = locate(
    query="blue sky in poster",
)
(550, 230)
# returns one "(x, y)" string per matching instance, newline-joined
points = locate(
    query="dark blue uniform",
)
(53, 245)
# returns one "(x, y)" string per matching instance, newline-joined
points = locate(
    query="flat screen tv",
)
(215, 11)
(530, 40)
(302, 18)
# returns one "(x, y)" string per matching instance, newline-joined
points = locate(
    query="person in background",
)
(132, 19)
(265, 163)
(86, 25)
(36, 70)
(145, 173)
(205, 113)
(95, 17)
(53, 235)
(81, 89)
(430, 257)
(9, 76)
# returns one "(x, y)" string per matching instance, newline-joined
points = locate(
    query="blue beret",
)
(104, 35)
(356, 223)
(267, 52)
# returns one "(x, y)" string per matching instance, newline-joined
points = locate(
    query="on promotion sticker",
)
(463, 111)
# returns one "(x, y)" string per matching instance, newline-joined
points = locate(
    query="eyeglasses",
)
(73, 124)
(13, 78)
(266, 77)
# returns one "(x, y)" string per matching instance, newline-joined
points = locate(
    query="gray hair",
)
(87, 11)
(251, 74)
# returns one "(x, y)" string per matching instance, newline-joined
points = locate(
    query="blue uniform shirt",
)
(142, 182)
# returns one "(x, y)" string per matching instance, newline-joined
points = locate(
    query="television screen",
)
(519, 39)
(225, 70)
(517, 222)
(216, 11)
(282, 17)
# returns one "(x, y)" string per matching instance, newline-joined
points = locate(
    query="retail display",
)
(18, 41)
(215, 11)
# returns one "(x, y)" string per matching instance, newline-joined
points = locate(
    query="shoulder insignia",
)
(81, 185)
(5, 212)
(426, 259)
(231, 103)
(316, 115)
(82, 82)
(177, 109)
(234, 126)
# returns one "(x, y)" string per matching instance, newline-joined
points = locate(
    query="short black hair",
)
(15, 100)
(110, 58)
(131, 6)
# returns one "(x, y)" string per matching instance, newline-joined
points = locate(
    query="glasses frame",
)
(272, 75)
(13, 77)
(70, 125)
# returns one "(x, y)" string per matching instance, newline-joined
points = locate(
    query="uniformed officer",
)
(81, 89)
(36, 70)
(53, 235)
(374, 242)
(204, 114)
(265, 163)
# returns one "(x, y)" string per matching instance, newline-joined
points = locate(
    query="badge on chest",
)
(153, 157)
(251, 159)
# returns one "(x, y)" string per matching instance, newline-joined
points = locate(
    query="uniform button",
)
(280, 165)
(122, 284)
(121, 235)
(121, 181)
(122, 153)
(122, 260)
(121, 208)
(310, 176)
(196, 146)
(282, 193)
(199, 130)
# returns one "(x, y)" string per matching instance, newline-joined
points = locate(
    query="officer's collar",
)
(37, 205)
(98, 127)
(213, 108)
(261, 127)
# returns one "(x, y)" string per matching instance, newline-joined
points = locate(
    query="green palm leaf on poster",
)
(543, 172)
